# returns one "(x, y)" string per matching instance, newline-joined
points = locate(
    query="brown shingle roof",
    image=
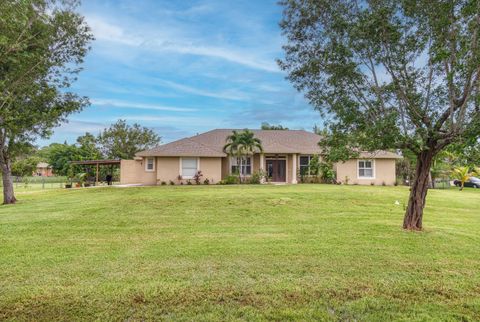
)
(210, 144)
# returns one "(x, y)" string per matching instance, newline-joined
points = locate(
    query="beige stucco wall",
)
(211, 169)
(384, 172)
(256, 163)
(225, 167)
(133, 172)
(168, 168)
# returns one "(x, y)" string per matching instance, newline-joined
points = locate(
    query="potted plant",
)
(82, 177)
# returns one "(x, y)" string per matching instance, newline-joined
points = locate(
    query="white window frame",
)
(181, 166)
(244, 165)
(146, 164)
(358, 168)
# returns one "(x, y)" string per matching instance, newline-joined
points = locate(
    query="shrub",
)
(372, 183)
(189, 182)
(206, 181)
(256, 177)
(172, 183)
(163, 183)
(231, 179)
(346, 180)
(327, 173)
(221, 182)
(197, 177)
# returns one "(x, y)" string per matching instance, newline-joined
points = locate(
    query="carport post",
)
(96, 180)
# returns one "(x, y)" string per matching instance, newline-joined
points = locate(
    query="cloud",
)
(135, 105)
(175, 41)
(230, 95)
(179, 120)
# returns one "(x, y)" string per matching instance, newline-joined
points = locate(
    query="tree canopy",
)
(42, 45)
(123, 141)
(389, 75)
(268, 126)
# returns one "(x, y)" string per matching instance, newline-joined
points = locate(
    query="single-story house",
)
(285, 153)
(43, 170)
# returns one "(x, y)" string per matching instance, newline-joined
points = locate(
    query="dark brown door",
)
(277, 170)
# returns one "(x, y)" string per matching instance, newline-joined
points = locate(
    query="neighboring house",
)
(43, 170)
(285, 152)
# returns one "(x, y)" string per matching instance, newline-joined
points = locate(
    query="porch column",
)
(294, 169)
(262, 166)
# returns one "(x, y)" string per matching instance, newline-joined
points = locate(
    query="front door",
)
(277, 170)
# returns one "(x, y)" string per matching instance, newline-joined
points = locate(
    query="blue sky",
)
(183, 67)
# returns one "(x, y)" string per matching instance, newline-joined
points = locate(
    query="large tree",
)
(42, 44)
(123, 141)
(389, 74)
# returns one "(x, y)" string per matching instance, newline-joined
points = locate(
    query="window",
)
(305, 164)
(150, 164)
(189, 167)
(246, 165)
(365, 168)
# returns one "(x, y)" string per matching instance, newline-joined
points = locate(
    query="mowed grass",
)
(303, 252)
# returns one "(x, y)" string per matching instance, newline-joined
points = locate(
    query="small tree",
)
(42, 44)
(462, 174)
(241, 144)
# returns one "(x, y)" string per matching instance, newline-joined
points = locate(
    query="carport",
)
(97, 164)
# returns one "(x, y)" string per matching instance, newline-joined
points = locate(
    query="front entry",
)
(277, 170)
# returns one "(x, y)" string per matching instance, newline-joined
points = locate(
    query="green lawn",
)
(299, 252)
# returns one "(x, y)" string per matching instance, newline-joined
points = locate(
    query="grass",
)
(304, 252)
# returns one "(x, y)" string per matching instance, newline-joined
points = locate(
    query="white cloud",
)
(175, 41)
(168, 120)
(135, 105)
(230, 95)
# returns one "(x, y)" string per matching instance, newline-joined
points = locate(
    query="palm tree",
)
(241, 144)
(461, 174)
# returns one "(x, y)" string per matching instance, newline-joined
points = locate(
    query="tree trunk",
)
(8, 195)
(418, 192)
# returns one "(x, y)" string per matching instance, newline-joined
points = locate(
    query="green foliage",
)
(462, 174)
(327, 173)
(267, 126)
(231, 179)
(26, 166)
(123, 141)
(241, 144)
(256, 177)
(388, 75)
(314, 165)
(42, 45)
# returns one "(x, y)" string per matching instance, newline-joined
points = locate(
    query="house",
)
(285, 153)
(43, 170)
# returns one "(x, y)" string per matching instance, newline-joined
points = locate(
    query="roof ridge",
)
(208, 147)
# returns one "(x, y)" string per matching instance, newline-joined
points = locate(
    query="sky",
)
(184, 67)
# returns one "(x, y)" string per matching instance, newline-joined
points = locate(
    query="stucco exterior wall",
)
(211, 169)
(384, 172)
(256, 163)
(133, 172)
(225, 167)
(168, 168)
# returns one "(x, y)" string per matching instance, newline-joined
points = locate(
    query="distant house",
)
(43, 170)
(285, 153)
